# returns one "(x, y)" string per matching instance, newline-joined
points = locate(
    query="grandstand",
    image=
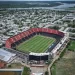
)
(16, 42)
(40, 56)
(19, 38)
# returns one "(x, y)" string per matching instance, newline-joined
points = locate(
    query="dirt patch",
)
(69, 55)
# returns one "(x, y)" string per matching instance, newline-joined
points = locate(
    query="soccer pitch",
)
(36, 44)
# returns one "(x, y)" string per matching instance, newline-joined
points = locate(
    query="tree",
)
(46, 73)
(9, 66)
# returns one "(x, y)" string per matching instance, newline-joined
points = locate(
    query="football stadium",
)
(39, 43)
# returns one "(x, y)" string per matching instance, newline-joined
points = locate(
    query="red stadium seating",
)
(40, 29)
(8, 44)
(22, 35)
(12, 40)
(25, 33)
(30, 31)
(18, 37)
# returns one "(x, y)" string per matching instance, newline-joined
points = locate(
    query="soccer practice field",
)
(36, 44)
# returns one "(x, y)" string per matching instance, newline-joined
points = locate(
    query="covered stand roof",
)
(39, 54)
(5, 55)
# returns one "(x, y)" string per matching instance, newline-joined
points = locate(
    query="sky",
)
(37, 0)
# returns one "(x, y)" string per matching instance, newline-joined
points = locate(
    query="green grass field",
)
(65, 66)
(36, 44)
(72, 45)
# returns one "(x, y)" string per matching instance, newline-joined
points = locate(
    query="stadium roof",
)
(39, 54)
(5, 55)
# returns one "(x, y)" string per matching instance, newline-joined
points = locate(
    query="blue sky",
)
(37, 0)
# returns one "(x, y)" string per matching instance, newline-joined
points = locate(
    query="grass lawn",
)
(66, 65)
(26, 71)
(15, 65)
(72, 45)
(36, 44)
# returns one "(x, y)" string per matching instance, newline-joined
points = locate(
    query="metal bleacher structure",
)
(19, 38)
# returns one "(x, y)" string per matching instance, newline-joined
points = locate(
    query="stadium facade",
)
(60, 37)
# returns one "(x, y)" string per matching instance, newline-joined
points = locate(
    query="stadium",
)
(39, 43)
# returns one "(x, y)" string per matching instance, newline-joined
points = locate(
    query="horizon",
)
(37, 0)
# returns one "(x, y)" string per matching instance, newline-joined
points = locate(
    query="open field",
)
(66, 65)
(14, 65)
(37, 44)
(72, 45)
